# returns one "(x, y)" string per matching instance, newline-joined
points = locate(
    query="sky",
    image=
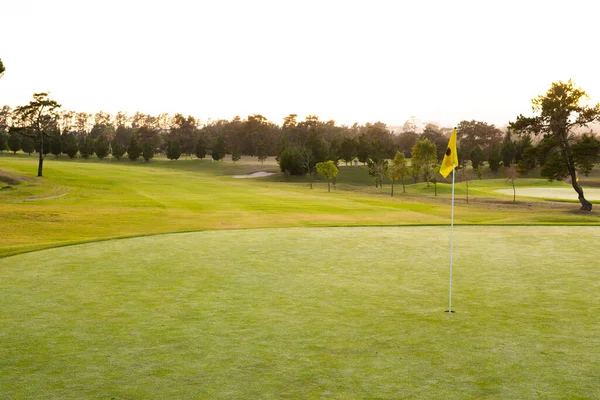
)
(350, 61)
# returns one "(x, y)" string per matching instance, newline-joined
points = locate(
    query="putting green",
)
(306, 313)
(552, 193)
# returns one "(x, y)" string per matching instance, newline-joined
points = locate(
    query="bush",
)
(290, 160)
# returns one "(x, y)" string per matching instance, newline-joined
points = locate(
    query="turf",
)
(87, 200)
(305, 313)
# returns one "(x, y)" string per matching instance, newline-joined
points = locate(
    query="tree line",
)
(42, 127)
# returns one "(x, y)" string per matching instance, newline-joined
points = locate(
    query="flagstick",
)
(451, 235)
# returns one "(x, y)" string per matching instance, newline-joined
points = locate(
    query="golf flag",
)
(451, 158)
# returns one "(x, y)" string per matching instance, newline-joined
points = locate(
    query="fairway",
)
(306, 313)
(552, 193)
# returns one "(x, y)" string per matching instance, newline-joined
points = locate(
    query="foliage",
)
(173, 150)
(101, 146)
(134, 149)
(377, 169)
(40, 116)
(219, 149)
(477, 157)
(200, 149)
(290, 161)
(69, 145)
(348, 149)
(14, 141)
(148, 151)
(586, 153)
(3, 140)
(86, 146)
(559, 110)
(528, 160)
(508, 149)
(117, 149)
(328, 170)
(424, 159)
(236, 154)
(471, 134)
(55, 142)
(494, 158)
(398, 170)
(28, 144)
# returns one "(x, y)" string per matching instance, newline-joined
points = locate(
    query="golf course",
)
(175, 279)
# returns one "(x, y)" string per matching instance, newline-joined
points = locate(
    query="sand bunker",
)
(259, 174)
(553, 193)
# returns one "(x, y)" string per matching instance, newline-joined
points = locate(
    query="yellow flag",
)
(451, 158)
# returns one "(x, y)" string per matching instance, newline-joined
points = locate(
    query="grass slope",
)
(88, 200)
(305, 313)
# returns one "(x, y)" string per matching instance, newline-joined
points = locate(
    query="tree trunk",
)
(435, 188)
(328, 186)
(585, 205)
(467, 181)
(41, 163)
(392, 188)
(403, 187)
(514, 192)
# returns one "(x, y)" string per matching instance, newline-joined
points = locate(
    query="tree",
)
(173, 150)
(398, 170)
(27, 145)
(134, 149)
(117, 149)
(559, 110)
(377, 169)
(219, 149)
(39, 115)
(262, 151)
(101, 146)
(494, 158)
(424, 157)
(348, 149)
(363, 149)
(508, 149)
(69, 144)
(328, 170)
(477, 157)
(475, 133)
(307, 160)
(512, 174)
(14, 141)
(200, 149)
(3, 140)
(148, 151)
(86, 146)
(290, 161)
(2, 69)
(56, 145)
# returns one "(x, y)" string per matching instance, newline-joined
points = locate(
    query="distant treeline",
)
(298, 145)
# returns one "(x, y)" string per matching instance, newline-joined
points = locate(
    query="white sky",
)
(352, 61)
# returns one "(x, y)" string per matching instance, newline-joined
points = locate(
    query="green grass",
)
(309, 311)
(87, 200)
(305, 313)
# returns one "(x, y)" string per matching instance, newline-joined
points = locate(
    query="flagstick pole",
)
(451, 236)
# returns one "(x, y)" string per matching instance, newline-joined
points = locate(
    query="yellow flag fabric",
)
(451, 158)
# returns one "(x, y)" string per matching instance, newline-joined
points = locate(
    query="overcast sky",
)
(351, 61)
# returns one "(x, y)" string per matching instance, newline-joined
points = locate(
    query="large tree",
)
(2, 69)
(559, 110)
(39, 115)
